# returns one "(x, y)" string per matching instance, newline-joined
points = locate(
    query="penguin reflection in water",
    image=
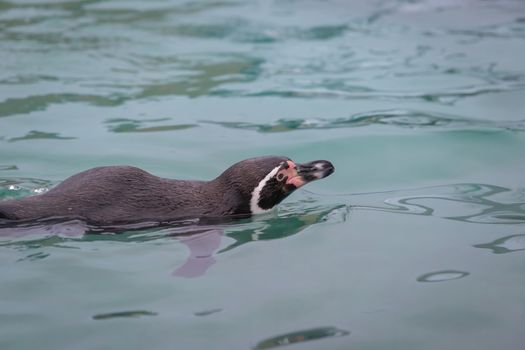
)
(122, 194)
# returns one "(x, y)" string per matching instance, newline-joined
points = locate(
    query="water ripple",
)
(277, 53)
(17, 187)
(441, 276)
(124, 314)
(13, 106)
(292, 219)
(447, 97)
(192, 76)
(34, 257)
(300, 336)
(507, 244)
(398, 118)
(123, 125)
(207, 312)
(510, 29)
(40, 135)
(469, 202)
(248, 32)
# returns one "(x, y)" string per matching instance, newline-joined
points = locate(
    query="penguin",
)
(124, 194)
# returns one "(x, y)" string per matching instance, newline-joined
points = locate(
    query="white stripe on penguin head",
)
(256, 194)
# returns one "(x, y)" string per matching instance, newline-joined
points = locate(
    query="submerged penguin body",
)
(125, 194)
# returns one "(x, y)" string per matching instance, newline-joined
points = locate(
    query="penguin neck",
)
(229, 197)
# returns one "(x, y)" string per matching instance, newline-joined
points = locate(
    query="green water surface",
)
(417, 241)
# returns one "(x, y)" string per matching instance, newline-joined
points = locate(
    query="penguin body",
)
(125, 194)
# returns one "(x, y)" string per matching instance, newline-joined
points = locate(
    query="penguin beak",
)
(308, 172)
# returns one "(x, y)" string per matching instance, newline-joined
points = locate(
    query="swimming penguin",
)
(125, 194)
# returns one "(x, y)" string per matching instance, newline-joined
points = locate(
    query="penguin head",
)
(266, 181)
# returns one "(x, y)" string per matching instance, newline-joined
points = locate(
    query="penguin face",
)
(284, 178)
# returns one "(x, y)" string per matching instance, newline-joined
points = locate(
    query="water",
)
(416, 242)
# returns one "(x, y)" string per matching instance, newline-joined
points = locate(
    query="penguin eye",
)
(280, 177)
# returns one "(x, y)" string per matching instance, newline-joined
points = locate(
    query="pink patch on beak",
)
(293, 177)
(296, 181)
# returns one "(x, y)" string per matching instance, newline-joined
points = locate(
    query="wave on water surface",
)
(398, 118)
(468, 202)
